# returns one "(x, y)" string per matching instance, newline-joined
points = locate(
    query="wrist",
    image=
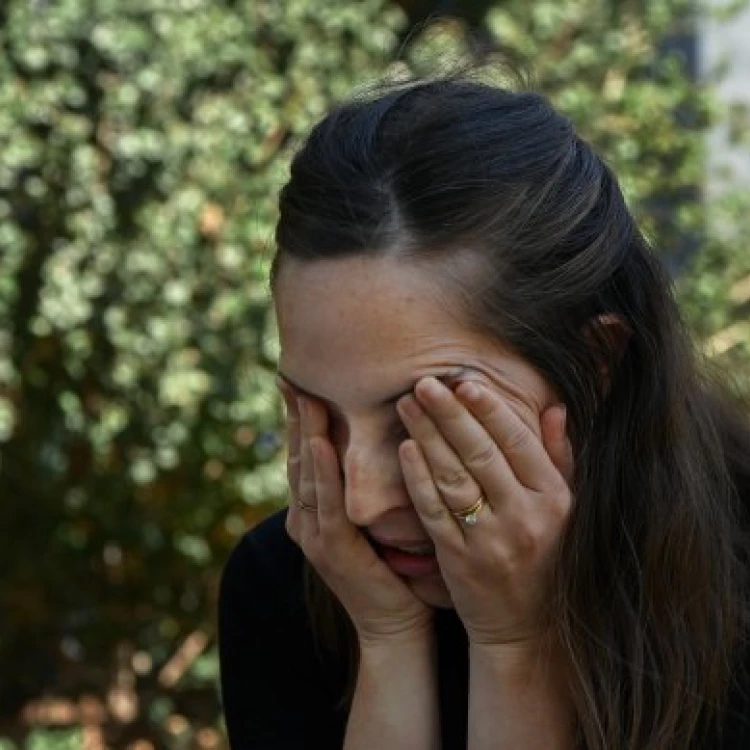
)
(520, 692)
(523, 657)
(412, 641)
(395, 702)
(415, 635)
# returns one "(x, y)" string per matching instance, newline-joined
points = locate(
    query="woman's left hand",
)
(469, 443)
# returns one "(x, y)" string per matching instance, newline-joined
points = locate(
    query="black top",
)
(278, 695)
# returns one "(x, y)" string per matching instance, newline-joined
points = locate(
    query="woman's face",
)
(357, 334)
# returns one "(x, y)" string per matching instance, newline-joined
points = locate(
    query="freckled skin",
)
(359, 331)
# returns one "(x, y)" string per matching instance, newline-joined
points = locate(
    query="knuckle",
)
(306, 491)
(520, 553)
(435, 512)
(293, 466)
(517, 439)
(531, 537)
(452, 480)
(526, 541)
(425, 488)
(328, 517)
(483, 457)
(494, 413)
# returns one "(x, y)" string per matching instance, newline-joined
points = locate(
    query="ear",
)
(617, 333)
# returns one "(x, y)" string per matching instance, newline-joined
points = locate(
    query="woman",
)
(519, 500)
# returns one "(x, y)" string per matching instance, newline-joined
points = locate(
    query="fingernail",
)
(409, 451)
(409, 407)
(431, 386)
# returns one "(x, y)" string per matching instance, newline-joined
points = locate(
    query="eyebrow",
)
(389, 400)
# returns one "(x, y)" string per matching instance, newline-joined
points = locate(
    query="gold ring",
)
(305, 506)
(469, 514)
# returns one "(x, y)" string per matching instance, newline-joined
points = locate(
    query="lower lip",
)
(411, 566)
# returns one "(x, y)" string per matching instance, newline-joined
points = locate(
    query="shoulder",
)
(275, 692)
(265, 565)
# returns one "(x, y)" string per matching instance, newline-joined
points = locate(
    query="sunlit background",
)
(142, 147)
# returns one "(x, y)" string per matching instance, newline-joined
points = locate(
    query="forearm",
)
(395, 701)
(518, 700)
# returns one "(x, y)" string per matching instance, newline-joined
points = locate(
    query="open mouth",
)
(414, 549)
(410, 561)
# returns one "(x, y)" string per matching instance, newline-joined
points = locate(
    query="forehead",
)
(376, 319)
(361, 294)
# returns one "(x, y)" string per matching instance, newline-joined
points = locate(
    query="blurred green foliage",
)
(142, 146)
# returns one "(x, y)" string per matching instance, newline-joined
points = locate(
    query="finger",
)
(329, 487)
(521, 448)
(451, 476)
(434, 514)
(554, 435)
(474, 446)
(307, 495)
(292, 435)
(293, 521)
(333, 521)
(326, 474)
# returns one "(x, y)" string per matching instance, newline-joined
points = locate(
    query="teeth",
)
(423, 549)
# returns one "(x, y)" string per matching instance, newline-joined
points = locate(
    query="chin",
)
(432, 591)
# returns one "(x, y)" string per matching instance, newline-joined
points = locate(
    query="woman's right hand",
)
(381, 606)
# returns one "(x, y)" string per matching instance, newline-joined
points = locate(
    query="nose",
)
(373, 484)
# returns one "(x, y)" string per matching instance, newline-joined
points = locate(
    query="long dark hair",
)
(651, 591)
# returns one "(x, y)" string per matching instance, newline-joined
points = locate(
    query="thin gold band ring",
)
(469, 514)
